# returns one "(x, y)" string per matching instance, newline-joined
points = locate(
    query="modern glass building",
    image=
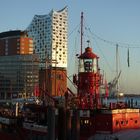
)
(19, 75)
(49, 33)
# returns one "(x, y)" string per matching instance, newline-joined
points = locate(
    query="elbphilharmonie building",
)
(49, 33)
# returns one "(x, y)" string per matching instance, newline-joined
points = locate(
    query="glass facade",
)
(49, 33)
(19, 74)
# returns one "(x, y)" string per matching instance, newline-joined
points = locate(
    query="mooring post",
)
(61, 123)
(75, 125)
(51, 123)
(68, 124)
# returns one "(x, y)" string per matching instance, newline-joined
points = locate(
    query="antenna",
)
(81, 31)
(88, 42)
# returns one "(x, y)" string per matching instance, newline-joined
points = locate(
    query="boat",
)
(26, 124)
(94, 117)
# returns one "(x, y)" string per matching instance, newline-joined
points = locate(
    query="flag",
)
(128, 58)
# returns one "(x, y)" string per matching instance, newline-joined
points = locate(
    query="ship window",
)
(136, 121)
(87, 66)
(117, 123)
(122, 122)
(86, 121)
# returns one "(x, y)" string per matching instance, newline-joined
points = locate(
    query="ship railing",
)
(34, 126)
(7, 121)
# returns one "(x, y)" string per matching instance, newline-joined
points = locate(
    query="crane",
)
(112, 85)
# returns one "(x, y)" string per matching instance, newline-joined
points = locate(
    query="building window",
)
(58, 76)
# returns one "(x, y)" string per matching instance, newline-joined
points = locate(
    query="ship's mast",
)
(117, 67)
(81, 31)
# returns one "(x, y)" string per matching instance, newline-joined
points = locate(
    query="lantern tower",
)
(89, 80)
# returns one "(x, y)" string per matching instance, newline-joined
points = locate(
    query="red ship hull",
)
(107, 121)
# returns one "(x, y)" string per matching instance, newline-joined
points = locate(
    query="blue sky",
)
(113, 20)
